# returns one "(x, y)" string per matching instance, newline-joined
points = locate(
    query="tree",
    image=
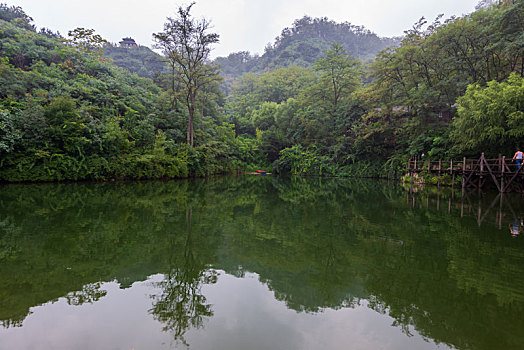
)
(490, 119)
(9, 135)
(339, 77)
(186, 44)
(17, 16)
(329, 100)
(86, 41)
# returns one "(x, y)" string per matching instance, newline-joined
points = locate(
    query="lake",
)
(259, 263)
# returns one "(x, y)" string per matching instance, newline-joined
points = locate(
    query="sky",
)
(243, 25)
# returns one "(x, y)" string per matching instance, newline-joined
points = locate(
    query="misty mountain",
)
(304, 43)
(301, 44)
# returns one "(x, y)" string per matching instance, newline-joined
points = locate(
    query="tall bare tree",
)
(186, 44)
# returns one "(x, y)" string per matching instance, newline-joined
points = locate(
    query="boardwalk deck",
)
(475, 173)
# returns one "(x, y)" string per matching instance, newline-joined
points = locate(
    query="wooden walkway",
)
(475, 173)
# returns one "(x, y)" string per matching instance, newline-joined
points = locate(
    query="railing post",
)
(464, 173)
(452, 172)
(439, 169)
(502, 189)
(481, 161)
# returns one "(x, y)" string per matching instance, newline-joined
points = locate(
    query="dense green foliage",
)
(452, 88)
(66, 114)
(138, 59)
(407, 105)
(418, 85)
(490, 118)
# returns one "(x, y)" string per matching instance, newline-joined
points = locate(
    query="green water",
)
(259, 263)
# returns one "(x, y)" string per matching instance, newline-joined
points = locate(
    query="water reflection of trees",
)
(454, 282)
(89, 294)
(181, 304)
(317, 243)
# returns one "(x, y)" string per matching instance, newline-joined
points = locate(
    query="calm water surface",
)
(259, 263)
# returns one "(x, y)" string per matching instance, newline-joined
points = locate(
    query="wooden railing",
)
(501, 170)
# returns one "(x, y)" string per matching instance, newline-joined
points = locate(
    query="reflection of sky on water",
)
(246, 316)
(117, 321)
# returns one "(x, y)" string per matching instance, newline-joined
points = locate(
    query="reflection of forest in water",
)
(317, 243)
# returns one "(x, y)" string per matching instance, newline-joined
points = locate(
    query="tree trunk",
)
(202, 116)
(192, 134)
(189, 122)
(190, 131)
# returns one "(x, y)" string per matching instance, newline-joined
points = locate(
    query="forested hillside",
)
(303, 44)
(450, 88)
(139, 59)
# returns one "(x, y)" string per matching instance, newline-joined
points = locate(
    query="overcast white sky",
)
(243, 25)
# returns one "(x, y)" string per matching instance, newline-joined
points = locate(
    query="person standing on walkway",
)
(518, 158)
